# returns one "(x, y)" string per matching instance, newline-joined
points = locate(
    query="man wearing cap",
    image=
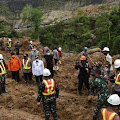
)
(37, 70)
(48, 92)
(35, 53)
(84, 53)
(27, 69)
(83, 76)
(108, 61)
(102, 90)
(31, 45)
(110, 112)
(9, 45)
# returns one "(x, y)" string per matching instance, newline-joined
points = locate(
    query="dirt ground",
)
(20, 103)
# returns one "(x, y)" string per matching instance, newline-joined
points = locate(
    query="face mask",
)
(1, 60)
(25, 57)
(105, 53)
(37, 60)
(48, 53)
(34, 49)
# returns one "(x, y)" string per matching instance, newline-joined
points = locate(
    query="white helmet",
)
(114, 99)
(59, 48)
(9, 40)
(31, 42)
(1, 56)
(46, 72)
(117, 63)
(106, 49)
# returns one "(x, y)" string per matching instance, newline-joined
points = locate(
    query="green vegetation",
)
(102, 30)
(33, 15)
(98, 30)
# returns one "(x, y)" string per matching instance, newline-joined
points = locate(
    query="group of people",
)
(32, 65)
(101, 76)
(48, 90)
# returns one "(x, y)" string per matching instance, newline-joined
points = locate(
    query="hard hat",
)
(114, 99)
(9, 40)
(86, 48)
(31, 42)
(59, 48)
(106, 49)
(1, 56)
(117, 63)
(46, 72)
(82, 58)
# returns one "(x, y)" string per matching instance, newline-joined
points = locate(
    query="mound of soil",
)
(20, 103)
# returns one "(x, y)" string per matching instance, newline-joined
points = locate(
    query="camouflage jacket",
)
(101, 87)
(49, 97)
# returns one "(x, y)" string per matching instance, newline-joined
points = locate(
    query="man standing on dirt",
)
(48, 92)
(50, 63)
(2, 75)
(102, 91)
(14, 65)
(37, 70)
(17, 47)
(45, 49)
(108, 61)
(83, 74)
(9, 45)
(31, 45)
(55, 55)
(34, 53)
(84, 53)
(27, 69)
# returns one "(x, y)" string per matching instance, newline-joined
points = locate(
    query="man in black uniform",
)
(50, 62)
(17, 47)
(83, 74)
(48, 92)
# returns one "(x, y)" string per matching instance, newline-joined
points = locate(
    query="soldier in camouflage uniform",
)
(48, 92)
(102, 91)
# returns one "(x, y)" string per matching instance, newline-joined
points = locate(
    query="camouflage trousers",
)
(2, 85)
(49, 106)
(99, 103)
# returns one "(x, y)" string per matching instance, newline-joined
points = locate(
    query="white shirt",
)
(37, 67)
(109, 59)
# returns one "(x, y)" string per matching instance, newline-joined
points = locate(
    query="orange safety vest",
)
(117, 81)
(9, 44)
(49, 87)
(25, 66)
(3, 69)
(108, 115)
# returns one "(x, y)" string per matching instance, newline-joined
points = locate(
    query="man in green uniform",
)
(102, 90)
(48, 92)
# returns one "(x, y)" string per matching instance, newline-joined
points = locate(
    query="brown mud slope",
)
(20, 103)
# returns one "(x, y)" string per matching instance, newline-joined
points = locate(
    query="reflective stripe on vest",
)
(3, 70)
(9, 44)
(117, 81)
(110, 117)
(25, 66)
(51, 90)
(106, 59)
(31, 47)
